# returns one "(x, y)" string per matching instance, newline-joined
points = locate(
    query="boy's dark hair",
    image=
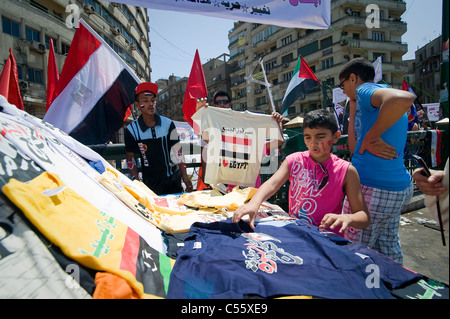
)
(361, 67)
(320, 119)
(221, 93)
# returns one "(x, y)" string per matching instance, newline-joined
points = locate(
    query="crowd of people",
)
(360, 200)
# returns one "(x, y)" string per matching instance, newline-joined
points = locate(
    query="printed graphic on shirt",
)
(263, 254)
(99, 243)
(305, 190)
(236, 148)
(143, 149)
(15, 164)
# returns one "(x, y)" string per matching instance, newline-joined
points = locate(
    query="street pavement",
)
(422, 246)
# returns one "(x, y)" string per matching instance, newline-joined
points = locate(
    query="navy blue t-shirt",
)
(228, 260)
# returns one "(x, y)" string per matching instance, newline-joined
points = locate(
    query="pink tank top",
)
(311, 194)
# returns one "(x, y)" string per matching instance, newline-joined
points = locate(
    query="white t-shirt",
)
(236, 143)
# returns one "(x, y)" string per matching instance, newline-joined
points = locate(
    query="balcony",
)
(394, 27)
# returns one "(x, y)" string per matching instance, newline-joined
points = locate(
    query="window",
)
(31, 34)
(47, 43)
(128, 36)
(113, 21)
(327, 51)
(19, 72)
(65, 48)
(264, 35)
(325, 43)
(292, 110)
(328, 63)
(287, 77)
(287, 58)
(10, 27)
(376, 55)
(95, 4)
(35, 75)
(308, 49)
(286, 40)
(378, 36)
(271, 64)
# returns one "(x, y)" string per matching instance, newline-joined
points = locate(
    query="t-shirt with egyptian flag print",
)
(236, 144)
(313, 193)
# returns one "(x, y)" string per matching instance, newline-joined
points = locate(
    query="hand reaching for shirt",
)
(246, 209)
(332, 221)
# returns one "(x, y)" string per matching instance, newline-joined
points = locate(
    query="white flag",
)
(378, 70)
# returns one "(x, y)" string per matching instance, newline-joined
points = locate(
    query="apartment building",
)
(171, 96)
(353, 33)
(28, 25)
(427, 71)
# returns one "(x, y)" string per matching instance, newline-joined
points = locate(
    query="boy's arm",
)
(351, 126)
(393, 104)
(185, 177)
(266, 190)
(359, 218)
(131, 164)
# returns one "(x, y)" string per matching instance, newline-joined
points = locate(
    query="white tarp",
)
(305, 14)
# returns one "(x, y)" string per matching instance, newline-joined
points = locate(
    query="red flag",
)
(406, 87)
(9, 82)
(52, 75)
(128, 112)
(196, 88)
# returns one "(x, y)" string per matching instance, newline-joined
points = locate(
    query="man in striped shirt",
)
(154, 139)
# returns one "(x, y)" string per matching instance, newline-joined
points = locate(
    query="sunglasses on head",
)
(225, 101)
(324, 179)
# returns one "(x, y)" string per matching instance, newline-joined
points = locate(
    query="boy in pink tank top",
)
(319, 181)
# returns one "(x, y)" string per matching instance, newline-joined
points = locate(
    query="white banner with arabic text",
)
(305, 14)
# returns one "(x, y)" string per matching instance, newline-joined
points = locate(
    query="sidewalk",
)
(421, 242)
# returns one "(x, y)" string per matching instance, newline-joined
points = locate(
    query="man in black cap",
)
(154, 138)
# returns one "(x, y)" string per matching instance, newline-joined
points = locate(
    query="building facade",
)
(427, 71)
(28, 25)
(171, 96)
(353, 33)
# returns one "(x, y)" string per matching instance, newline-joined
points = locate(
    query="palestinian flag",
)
(94, 90)
(301, 83)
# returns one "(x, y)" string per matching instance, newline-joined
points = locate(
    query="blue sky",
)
(175, 36)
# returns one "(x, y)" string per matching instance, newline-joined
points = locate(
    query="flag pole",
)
(269, 91)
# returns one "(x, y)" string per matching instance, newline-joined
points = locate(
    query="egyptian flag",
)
(94, 90)
(235, 148)
(412, 115)
(301, 83)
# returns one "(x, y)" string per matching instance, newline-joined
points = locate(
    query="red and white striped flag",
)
(94, 90)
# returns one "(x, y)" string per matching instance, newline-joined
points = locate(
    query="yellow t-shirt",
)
(87, 235)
